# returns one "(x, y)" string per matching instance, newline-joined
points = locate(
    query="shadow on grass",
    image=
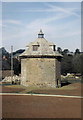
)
(65, 83)
(32, 92)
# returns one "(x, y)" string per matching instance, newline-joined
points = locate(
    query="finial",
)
(40, 30)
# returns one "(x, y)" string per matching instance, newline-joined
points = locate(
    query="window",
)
(53, 47)
(35, 47)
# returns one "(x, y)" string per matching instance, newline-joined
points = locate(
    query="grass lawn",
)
(71, 89)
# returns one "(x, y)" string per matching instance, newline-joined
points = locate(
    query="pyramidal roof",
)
(41, 47)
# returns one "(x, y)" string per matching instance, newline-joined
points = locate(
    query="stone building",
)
(40, 64)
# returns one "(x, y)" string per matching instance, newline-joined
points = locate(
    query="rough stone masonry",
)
(40, 64)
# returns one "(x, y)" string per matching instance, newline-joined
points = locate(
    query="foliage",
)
(65, 51)
(59, 49)
(77, 51)
(66, 64)
(6, 60)
(71, 62)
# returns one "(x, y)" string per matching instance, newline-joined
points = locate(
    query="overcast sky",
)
(60, 21)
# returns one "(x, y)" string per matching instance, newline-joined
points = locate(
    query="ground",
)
(71, 89)
(39, 106)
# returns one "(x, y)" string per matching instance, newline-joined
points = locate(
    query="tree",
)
(66, 64)
(77, 51)
(65, 51)
(81, 57)
(16, 66)
(59, 49)
(76, 63)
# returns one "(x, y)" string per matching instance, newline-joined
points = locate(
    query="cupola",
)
(40, 34)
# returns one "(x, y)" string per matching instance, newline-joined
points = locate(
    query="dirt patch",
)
(40, 107)
(6, 89)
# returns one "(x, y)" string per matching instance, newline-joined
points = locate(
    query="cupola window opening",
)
(35, 47)
(40, 36)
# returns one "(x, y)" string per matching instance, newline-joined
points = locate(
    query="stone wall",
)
(40, 72)
(58, 73)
